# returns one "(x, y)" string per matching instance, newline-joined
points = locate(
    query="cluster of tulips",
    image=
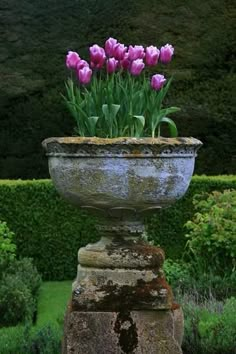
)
(116, 56)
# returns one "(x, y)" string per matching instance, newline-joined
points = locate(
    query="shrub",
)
(46, 340)
(210, 326)
(25, 270)
(177, 273)
(30, 340)
(166, 228)
(16, 301)
(11, 339)
(19, 287)
(184, 276)
(7, 247)
(212, 232)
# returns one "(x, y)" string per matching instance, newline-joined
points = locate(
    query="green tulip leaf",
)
(171, 125)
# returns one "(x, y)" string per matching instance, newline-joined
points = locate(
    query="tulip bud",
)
(152, 55)
(166, 53)
(97, 56)
(137, 66)
(72, 60)
(157, 81)
(109, 46)
(119, 51)
(125, 63)
(111, 65)
(81, 64)
(84, 75)
(136, 52)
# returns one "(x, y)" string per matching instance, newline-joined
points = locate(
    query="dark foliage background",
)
(36, 36)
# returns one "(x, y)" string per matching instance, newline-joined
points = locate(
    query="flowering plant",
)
(120, 100)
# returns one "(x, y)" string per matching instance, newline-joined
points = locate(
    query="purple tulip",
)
(109, 46)
(137, 66)
(111, 65)
(72, 60)
(125, 63)
(81, 64)
(119, 51)
(166, 53)
(152, 55)
(136, 52)
(84, 75)
(97, 56)
(157, 81)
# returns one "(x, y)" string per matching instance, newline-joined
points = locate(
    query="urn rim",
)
(121, 147)
(76, 140)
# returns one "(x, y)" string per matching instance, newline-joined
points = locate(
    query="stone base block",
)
(135, 332)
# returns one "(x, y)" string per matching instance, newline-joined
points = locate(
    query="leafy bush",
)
(210, 326)
(7, 247)
(46, 340)
(16, 301)
(166, 228)
(30, 340)
(11, 339)
(177, 273)
(26, 271)
(184, 276)
(19, 283)
(212, 232)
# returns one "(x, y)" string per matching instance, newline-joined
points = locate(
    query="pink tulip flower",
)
(136, 52)
(109, 46)
(166, 53)
(81, 64)
(137, 66)
(157, 81)
(111, 65)
(72, 60)
(125, 63)
(97, 56)
(119, 51)
(84, 75)
(152, 55)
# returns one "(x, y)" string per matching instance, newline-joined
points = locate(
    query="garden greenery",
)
(19, 283)
(212, 232)
(51, 231)
(122, 101)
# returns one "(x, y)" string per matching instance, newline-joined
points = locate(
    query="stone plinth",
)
(136, 332)
(121, 302)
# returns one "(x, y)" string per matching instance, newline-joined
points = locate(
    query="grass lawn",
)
(53, 298)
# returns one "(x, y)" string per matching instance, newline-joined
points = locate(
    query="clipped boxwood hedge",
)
(51, 231)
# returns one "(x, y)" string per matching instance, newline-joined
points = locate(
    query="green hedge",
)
(51, 231)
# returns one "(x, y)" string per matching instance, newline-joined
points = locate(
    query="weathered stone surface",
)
(121, 253)
(135, 332)
(97, 289)
(138, 174)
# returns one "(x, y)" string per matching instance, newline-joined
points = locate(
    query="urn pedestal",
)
(121, 302)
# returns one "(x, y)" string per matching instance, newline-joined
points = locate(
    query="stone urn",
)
(121, 302)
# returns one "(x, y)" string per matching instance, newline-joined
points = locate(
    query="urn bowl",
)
(122, 175)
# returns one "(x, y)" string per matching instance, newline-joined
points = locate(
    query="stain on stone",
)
(138, 249)
(126, 329)
(175, 306)
(144, 295)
